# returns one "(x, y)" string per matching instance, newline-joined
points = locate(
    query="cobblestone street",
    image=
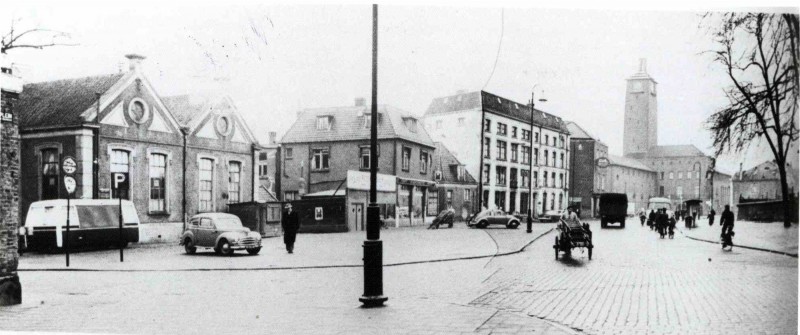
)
(635, 283)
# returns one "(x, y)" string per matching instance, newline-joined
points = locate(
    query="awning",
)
(416, 182)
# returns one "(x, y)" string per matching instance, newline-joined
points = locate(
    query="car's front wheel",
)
(224, 248)
(482, 224)
(512, 225)
(188, 245)
(253, 251)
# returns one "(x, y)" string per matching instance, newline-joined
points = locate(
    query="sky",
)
(276, 60)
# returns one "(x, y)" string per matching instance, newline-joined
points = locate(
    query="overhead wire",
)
(499, 46)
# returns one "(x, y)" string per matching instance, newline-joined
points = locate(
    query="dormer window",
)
(411, 124)
(460, 173)
(368, 119)
(324, 122)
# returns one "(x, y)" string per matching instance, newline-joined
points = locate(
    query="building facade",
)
(508, 146)
(268, 166)
(184, 155)
(457, 188)
(10, 89)
(325, 143)
(758, 196)
(589, 175)
(634, 179)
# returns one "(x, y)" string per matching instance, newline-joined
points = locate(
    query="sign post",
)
(69, 167)
(119, 181)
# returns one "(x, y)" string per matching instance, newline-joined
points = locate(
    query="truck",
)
(613, 209)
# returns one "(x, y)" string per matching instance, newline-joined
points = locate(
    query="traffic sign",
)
(603, 162)
(68, 165)
(119, 181)
(70, 184)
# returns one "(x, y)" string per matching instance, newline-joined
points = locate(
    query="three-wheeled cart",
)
(572, 234)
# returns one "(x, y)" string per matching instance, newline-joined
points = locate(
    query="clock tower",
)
(641, 113)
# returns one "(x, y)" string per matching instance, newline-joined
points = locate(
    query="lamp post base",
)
(373, 274)
(372, 301)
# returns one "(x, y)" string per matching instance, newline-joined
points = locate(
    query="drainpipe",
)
(480, 167)
(96, 151)
(254, 179)
(185, 133)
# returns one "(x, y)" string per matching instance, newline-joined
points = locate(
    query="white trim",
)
(119, 146)
(117, 110)
(228, 121)
(80, 132)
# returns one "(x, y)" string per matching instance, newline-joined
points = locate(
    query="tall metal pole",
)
(373, 246)
(66, 238)
(530, 168)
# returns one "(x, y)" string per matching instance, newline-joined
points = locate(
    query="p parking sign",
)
(120, 181)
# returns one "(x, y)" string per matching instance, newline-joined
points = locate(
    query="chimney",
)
(642, 65)
(740, 171)
(360, 102)
(272, 137)
(135, 61)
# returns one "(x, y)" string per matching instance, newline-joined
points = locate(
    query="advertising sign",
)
(70, 184)
(68, 165)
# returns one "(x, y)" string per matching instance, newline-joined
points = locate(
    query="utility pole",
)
(373, 246)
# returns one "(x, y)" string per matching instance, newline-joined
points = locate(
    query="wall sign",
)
(602, 162)
(68, 165)
(70, 184)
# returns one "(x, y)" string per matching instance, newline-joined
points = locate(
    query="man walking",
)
(726, 220)
(290, 224)
(711, 215)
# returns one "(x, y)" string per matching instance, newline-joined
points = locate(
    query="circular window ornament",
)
(223, 125)
(138, 111)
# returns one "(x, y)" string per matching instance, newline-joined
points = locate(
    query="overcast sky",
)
(274, 61)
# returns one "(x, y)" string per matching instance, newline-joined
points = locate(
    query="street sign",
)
(70, 184)
(602, 162)
(119, 181)
(68, 165)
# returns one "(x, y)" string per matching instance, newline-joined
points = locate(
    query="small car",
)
(221, 231)
(494, 216)
(551, 215)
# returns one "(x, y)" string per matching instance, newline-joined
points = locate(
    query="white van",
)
(92, 222)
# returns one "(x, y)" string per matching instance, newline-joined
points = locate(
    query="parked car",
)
(221, 231)
(613, 209)
(551, 215)
(494, 216)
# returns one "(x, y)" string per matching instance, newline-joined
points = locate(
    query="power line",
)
(499, 46)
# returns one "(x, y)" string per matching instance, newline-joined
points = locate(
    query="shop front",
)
(417, 201)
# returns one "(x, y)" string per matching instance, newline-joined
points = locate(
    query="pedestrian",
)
(290, 225)
(642, 217)
(711, 215)
(726, 220)
(662, 220)
(651, 219)
(672, 222)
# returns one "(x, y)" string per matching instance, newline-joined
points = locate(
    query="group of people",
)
(659, 221)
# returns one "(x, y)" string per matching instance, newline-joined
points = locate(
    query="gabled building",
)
(457, 188)
(588, 170)
(183, 155)
(325, 143)
(757, 193)
(632, 178)
(507, 145)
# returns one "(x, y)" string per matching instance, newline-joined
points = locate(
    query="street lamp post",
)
(373, 246)
(699, 197)
(530, 162)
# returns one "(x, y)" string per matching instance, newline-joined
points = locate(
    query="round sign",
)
(68, 165)
(70, 184)
(603, 162)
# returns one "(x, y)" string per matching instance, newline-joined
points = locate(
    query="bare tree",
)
(759, 52)
(36, 38)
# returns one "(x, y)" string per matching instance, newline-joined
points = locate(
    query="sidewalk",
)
(762, 235)
(402, 245)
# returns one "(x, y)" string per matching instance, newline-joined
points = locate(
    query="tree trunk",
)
(787, 206)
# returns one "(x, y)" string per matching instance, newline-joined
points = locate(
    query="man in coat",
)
(726, 220)
(290, 224)
(711, 215)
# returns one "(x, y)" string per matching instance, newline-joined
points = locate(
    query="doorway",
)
(357, 217)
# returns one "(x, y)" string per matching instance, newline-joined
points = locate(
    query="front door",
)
(357, 216)
(512, 202)
(544, 202)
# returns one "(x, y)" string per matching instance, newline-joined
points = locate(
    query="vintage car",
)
(493, 216)
(220, 231)
(552, 215)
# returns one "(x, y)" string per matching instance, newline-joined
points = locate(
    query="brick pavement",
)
(638, 283)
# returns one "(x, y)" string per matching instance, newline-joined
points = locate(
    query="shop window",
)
(50, 174)
(158, 183)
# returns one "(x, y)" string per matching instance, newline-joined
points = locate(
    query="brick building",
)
(10, 89)
(457, 188)
(757, 193)
(325, 143)
(184, 154)
(589, 177)
(502, 142)
(633, 178)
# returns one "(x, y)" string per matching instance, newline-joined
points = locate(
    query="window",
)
(461, 122)
(661, 191)
(561, 160)
(423, 162)
(487, 144)
(544, 177)
(320, 159)
(288, 153)
(405, 166)
(536, 178)
(290, 195)
(487, 126)
(545, 157)
(680, 174)
(500, 175)
(411, 124)
(120, 162)
(501, 150)
(514, 132)
(324, 122)
(438, 124)
(467, 195)
(50, 179)
(688, 174)
(158, 183)
(552, 201)
(206, 174)
(526, 135)
(671, 175)
(536, 138)
(500, 200)
(554, 158)
(536, 156)
(501, 128)
(525, 179)
(234, 182)
(561, 180)
(485, 176)
(662, 175)
(546, 139)
(679, 191)
(486, 198)
(364, 157)
(514, 152)
(560, 200)
(513, 177)
(449, 198)
(460, 173)
(553, 179)
(526, 155)
(263, 170)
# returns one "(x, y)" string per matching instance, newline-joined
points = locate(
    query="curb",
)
(741, 246)
(313, 267)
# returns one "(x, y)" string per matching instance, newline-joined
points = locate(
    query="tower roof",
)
(642, 73)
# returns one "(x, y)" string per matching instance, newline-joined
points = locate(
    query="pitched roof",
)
(494, 104)
(348, 124)
(445, 161)
(60, 103)
(674, 151)
(628, 162)
(765, 171)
